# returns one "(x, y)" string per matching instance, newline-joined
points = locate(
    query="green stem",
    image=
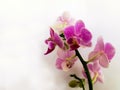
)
(73, 75)
(84, 63)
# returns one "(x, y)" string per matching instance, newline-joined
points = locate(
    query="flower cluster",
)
(72, 35)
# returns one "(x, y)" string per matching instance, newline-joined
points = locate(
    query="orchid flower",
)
(77, 35)
(65, 60)
(53, 41)
(102, 52)
(63, 21)
(72, 36)
(95, 72)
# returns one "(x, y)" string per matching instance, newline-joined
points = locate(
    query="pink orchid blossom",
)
(95, 72)
(65, 18)
(102, 52)
(53, 41)
(63, 21)
(77, 35)
(65, 60)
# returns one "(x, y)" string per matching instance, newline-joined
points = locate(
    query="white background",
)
(24, 25)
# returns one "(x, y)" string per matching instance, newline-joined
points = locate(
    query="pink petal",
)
(93, 54)
(61, 53)
(109, 50)
(51, 33)
(96, 66)
(86, 35)
(51, 47)
(66, 16)
(79, 24)
(59, 63)
(56, 38)
(100, 77)
(69, 32)
(103, 60)
(100, 44)
(89, 44)
(90, 67)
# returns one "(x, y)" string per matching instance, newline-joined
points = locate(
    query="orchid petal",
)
(79, 24)
(69, 32)
(90, 66)
(51, 47)
(66, 16)
(96, 66)
(86, 35)
(100, 44)
(100, 77)
(56, 38)
(92, 55)
(59, 62)
(103, 60)
(109, 50)
(89, 44)
(63, 54)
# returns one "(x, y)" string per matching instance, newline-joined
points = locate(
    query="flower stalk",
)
(86, 70)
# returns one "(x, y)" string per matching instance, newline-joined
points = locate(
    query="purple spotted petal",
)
(100, 45)
(69, 32)
(103, 60)
(109, 50)
(78, 26)
(59, 62)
